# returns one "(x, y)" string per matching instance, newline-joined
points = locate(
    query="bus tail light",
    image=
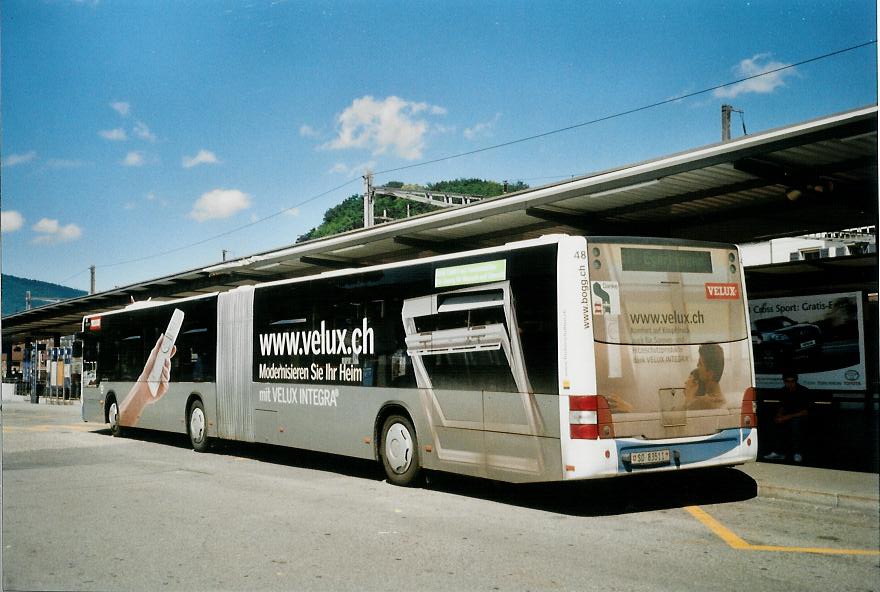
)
(589, 417)
(749, 410)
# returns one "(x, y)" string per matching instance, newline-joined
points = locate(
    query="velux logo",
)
(722, 291)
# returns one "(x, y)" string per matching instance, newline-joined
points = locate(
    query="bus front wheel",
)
(197, 426)
(113, 418)
(400, 451)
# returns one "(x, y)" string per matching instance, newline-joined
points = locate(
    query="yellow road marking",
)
(719, 529)
(735, 542)
(818, 550)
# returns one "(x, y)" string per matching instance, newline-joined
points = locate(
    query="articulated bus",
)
(551, 359)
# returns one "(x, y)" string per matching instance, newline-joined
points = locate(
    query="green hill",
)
(42, 293)
(349, 214)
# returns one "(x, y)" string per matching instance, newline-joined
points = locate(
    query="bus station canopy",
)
(811, 177)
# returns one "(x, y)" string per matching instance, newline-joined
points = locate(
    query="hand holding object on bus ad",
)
(140, 395)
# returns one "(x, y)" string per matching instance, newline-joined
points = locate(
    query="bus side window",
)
(472, 371)
(130, 354)
(195, 359)
(90, 355)
(383, 316)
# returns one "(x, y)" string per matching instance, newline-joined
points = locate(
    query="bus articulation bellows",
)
(557, 358)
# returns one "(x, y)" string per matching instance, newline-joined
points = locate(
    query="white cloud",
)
(444, 129)
(17, 159)
(356, 170)
(382, 125)
(114, 135)
(203, 157)
(10, 221)
(121, 107)
(152, 197)
(438, 110)
(143, 132)
(484, 129)
(307, 131)
(754, 66)
(134, 159)
(220, 203)
(65, 163)
(51, 232)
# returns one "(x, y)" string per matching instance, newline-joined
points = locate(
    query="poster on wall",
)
(820, 337)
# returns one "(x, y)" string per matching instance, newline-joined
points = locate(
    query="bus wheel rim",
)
(113, 415)
(197, 424)
(399, 448)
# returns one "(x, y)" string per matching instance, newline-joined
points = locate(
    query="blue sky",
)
(134, 128)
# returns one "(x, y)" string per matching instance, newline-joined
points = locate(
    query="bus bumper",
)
(604, 458)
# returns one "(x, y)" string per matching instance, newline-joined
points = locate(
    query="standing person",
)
(791, 419)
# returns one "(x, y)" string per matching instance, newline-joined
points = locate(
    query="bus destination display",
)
(666, 260)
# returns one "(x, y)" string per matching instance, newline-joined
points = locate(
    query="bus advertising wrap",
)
(547, 360)
(339, 343)
(820, 336)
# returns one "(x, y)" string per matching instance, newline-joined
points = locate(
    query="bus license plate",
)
(651, 457)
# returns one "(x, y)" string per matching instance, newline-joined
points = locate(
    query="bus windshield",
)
(663, 295)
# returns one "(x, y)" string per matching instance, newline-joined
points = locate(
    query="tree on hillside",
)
(349, 214)
(476, 187)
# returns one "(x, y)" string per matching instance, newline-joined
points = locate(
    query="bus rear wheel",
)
(197, 426)
(400, 451)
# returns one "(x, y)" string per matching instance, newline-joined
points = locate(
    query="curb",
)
(819, 498)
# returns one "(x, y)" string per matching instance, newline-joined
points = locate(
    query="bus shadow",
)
(599, 497)
(302, 459)
(165, 438)
(266, 453)
(609, 497)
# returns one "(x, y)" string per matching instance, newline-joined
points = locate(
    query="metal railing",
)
(34, 392)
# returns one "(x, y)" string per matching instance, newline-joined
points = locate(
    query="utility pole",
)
(368, 200)
(224, 254)
(29, 300)
(726, 110)
(92, 285)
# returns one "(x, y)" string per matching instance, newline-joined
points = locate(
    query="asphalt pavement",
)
(816, 486)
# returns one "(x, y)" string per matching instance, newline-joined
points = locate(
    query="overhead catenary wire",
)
(628, 111)
(496, 147)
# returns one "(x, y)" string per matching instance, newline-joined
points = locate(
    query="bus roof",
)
(511, 246)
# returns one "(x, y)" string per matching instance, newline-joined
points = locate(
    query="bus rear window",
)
(666, 260)
(666, 295)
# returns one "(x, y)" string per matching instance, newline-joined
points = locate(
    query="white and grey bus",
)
(556, 358)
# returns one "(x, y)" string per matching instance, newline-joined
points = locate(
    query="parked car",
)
(779, 339)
